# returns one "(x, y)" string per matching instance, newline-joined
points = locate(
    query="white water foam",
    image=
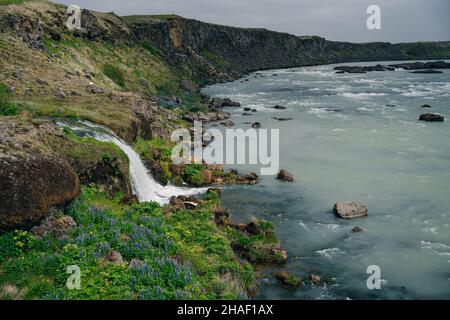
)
(361, 95)
(145, 187)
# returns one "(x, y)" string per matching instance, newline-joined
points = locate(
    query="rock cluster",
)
(422, 67)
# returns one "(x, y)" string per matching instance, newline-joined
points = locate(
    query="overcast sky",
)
(345, 20)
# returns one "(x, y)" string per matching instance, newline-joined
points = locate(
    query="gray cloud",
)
(344, 20)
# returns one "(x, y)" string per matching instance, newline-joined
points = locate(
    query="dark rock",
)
(332, 109)
(279, 107)
(222, 217)
(284, 119)
(92, 88)
(253, 228)
(31, 186)
(426, 106)
(240, 227)
(428, 71)
(246, 114)
(420, 66)
(285, 176)
(229, 103)
(176, 201)
(247, 109)
(41, 82)
(256, 125)
(431, 117)
(437, 65)
(227, 123)
(205, 98)
(350, 210)
(251, 176)
(357, 229)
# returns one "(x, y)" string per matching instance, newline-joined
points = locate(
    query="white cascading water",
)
(144, 186)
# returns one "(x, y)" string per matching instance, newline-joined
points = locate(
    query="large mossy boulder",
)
(30, 186)
(32, 177)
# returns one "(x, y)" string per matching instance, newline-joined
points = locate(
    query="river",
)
(352, 137)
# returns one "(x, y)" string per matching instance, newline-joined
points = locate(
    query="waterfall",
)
(145, 187)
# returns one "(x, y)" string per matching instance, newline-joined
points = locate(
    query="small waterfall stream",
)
(145, 187)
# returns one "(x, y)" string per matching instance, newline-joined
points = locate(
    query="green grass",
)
(7, 108)
(150, 48)
(193, 174)
(114, 73)
(157, 150)
(86, 149)
(8, 2)
(215, 58)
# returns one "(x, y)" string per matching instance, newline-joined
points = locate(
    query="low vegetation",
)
(7, 108)
(183, 255)
(114, 73)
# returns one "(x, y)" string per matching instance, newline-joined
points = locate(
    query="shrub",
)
(114, 73)
(193, 175)
(7, 108)
(147, 46)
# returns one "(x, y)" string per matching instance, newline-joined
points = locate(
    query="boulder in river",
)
(284, 119)
(229, 103)
(278, 107)
(256, 125)
(431, 117)
(227, 123)
(285, 176)
(427, 71)
(350, 210)
(426, 106)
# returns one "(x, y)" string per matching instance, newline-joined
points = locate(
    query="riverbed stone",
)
(285, 176)
(350, 209)
(429, 117)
